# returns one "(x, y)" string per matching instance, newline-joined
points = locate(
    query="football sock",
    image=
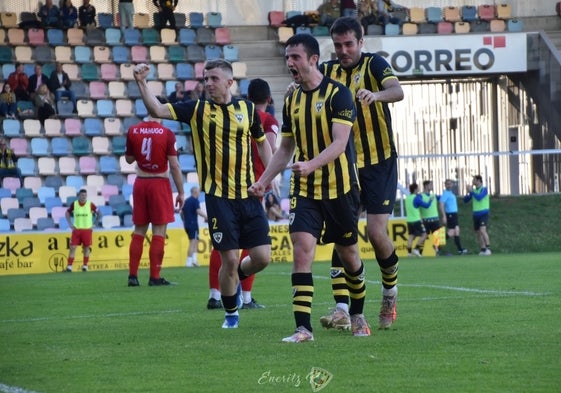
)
(389, 268)
(247, 283)
(213, 268)
(70, 261)
(338, 280)
(214, 294)
(458, 243)
(156, 253)
(302, 295)
(86, 260)
(230, 304)
(246, 296)
(135, 253)
(357, 290)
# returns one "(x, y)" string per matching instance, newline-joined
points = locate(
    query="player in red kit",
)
(259, 93)
(153, 148)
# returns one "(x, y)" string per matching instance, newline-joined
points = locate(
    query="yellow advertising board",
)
(47, 252)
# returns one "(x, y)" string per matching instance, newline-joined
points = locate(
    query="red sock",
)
(213, 268)
(70, 261)
(247, 283)
(86, 260)
(156, 255)
(135, 253)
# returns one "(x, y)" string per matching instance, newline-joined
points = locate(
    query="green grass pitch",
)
(465, 324)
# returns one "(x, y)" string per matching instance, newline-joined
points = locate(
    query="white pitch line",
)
(14, 389)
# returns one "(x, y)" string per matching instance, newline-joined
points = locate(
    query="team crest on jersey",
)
(356, 79)
(319, 106)
(239, 117)
(217, 236)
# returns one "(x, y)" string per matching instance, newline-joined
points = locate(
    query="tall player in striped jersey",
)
(374, 85)
(222, 128)
(324, 199)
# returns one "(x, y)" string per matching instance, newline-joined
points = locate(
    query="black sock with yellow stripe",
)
(389, 268)
(357, 290)
(338, 280)
(302, 295)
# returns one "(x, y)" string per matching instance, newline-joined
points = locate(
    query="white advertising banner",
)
(434, 55)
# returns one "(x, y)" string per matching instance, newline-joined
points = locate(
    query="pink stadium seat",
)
(19, 146)
(107, 190)
(36, 37)
(222, 36)
(72, 126)
(109, 72)
(11, 183)
(87, 165)
(58, 213)
(276, 18)
(486, 12)
(98, 90)
(199, 68)
(139, 54)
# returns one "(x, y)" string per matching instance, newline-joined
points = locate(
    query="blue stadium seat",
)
(118, 144)
(105, 108)
(44, 223)
(54, 181)
(51, 202)
(150, 37)
(94, 37)
(40, 146)
(180, 19)
(11, 127)
(213, 52)
(231, 53)
(105, 20)
(7, 69)
(115, 180)
(65, 108)
(187, 162)
(132, 37)
(184, 71)
(6, 55)
(195, 53)
(16, 213)
(60, 146)
(108, 165)
(196, 19)
(469, 13)
(4, 225)
(187, 36)
(45, 192)
(121, 54)
(93, 126)
(176, 54)
(83, 54)
(81, 146)
(173, 125)
(243, 85)
(27, 166)
(127, 191)
(205, 36)
(56, 37)
(22, 193)
(89, 72)
(139, 108)
(113, 36)
(214, 19)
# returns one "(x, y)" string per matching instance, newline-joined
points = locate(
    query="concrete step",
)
(265, 48)
(267, 66)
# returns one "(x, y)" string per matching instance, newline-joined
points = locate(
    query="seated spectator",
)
(8, 105)
(368, 14)
(328, 12)
(59, 84)
(273, 208)
(389, 12)
(165, 9)
(179, 95)
(348, 8)
(68, 14)
(49, 14)
(36, 80)
(86, 14)
(8, 167)
(198, 92)
(44, 103)
(19, 82)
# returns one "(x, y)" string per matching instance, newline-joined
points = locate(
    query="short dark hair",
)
(344, 24)
(478, 178)
(413, 187)
(258, 91)
(219, 63)
(311, 45)
(427, 182)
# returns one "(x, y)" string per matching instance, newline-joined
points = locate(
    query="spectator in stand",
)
(368, 14)
(126, 12)
(36, 80)
(44, 103)
(8, 167)
(8, 105)
(387, 12)
(198, 92)
(329, 11)
(165, 8)
(19, 82)
(59, 84)
(49, 14)
(86, 14)
(348, 8)
(68, 14)
(179, 95)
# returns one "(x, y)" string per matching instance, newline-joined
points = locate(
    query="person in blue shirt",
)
(68, 14)
(449, 209)
(479, 196)
(49, 14)
(190, 212)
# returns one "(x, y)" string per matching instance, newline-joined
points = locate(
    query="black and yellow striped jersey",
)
(373, 134)
(221, 135)
(308, 117)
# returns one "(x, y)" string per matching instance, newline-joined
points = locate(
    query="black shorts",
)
(336, 218)
(451, 220)
(236, 223)
(192, 231)
(432, 225)
(378, 186)
(416, 228)
(480, 220)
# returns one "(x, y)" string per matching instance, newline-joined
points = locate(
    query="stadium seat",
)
(112, 126)
(121, 55)
(139, 54)
(150, 37)
(63, 54)
(37, 212)
(141, 20)
(93, 126)
(444, 27)
(67, 166)
(98, 90)
(168, 37)
(158, 54)
(239, 69)
(486, 12)
(139, 108)
(452, 14)
(75, 36)
(184, 71)
(32, 127)
(40, 146)
(95, 180)
(417, 15)
(56, 37)
(8, 19)
(58, 214)
(199, 69)
(515, 25)
(173, 125)
(45, 192)
(213, 52)
(109, 72)
(392, 29)
(24, 54)
(117, 89)
(53, 127)
(8, 203)
(45, 223)
(65, 108)
(7, 69)
(125, 167)
(76, 181)
(105, 108)
(196, 19)
(108, 190)
(4, 225)
(166, 71)
(214, 19)
(89, 72)
(461, 27)
(27, 166)
(81, 146)
(409, 28)
(118, 144)
(205, 36)
(65, 192)
(480, 26)
(102, 54)
(187, 36)
(303, 30)
(73, 71)
(87, 165)
(115, 179)
(16, 36)
(320, 31)
(503, 10)
(94, 37)
(180, 19)
(11, 127)
(44, 55)
(54, 181)
(113, 36)
(497, 25)
(52, 202)
(469, 13)
(100, 145)
(123, 107)
(72, 126)
(285, 32)
(132, 37)
(108, 222)
(108, 164)
(434, 14)
(36, 36)
(60, 146)
(126, 71)
(231, 53)
(22, 224)
(105, 20)
(19, 146)
(187, 162)
(176, 54)
(46, 166)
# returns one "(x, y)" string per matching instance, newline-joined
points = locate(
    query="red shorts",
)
(152, 201)
(81, 236)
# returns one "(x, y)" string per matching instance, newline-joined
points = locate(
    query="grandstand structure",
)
(452, 124)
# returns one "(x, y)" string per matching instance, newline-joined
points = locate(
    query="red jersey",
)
(150, 143)
(270, 125)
